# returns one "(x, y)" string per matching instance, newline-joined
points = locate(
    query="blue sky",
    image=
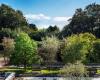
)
(48, 12)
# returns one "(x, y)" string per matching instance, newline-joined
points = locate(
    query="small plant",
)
(74, 71)
(77, 69)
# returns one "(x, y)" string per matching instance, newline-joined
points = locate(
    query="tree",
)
(94, 56)
(6, 32)
(77, 47)
(8, 45)
(10, 18)
(33, 27)
(25, 51)
(38, 35)
(84, 20)
(49, 48)
(52, 31)
(52, 28)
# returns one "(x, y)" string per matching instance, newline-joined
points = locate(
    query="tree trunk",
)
(4, 58)
(25, 66)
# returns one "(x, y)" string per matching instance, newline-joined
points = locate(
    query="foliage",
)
(10, 18)
(33, 27)
(50, 47)
(76, 69)
(77, 47)
(87, 20)
(52, 31)
(38, 35)
(49, 71)
(42, 33)
(94, 56)
(98, 71)
(51, 28)
(8, 45)
(25, 51)
(6, 32)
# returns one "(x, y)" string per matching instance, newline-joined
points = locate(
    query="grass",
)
(28, 70)
(49, 71)
(33, 72)
(98, 71)
(16, 70)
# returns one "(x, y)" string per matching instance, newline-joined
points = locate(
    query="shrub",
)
(75, 70)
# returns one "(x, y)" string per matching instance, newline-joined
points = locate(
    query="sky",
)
(48, 12)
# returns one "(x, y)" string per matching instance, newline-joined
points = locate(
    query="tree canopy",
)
(94, 56)
(11, 18)
(25, 51)
(84, 20)
(49, 48)
(77, 47)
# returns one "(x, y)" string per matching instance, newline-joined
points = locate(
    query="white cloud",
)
(43, 21)
(37, 17)
(61, 19)
(43, 26)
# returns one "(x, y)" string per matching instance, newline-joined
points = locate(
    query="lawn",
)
(98, 71)
(28, 70)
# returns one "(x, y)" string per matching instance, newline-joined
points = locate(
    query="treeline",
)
(25, 44)
(84, 20)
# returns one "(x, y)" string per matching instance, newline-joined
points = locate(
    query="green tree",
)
(33, 27)
(52, 28)
(38, 35)
(77, 47)
(10, 18)
(94, 56)
(52, 31)
(84, 20)
(25, 51)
